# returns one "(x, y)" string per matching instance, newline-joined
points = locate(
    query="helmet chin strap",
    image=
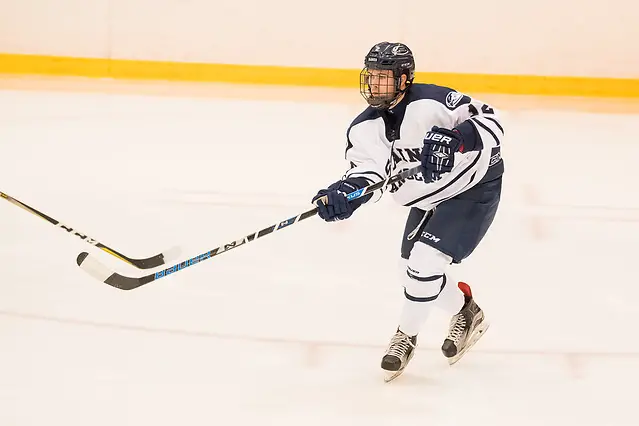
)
(385, 103)
(399, 95)
(396, 99)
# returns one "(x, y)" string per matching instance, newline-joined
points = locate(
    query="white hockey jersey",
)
(383, 143)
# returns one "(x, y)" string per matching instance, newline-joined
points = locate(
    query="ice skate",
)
(399, 353)
(466, 328)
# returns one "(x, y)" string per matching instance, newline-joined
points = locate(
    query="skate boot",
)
(399, 353)
(466, 328)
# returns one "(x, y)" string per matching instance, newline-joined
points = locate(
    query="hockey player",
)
(452, 203)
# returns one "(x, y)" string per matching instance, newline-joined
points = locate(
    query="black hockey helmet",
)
(380, 88)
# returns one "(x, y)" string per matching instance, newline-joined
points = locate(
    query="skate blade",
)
(392, 375)
(477, 334)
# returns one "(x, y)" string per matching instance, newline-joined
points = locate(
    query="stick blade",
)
(101, 273)
(154, 261)
(149, 262)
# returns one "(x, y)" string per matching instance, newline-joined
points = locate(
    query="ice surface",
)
(290, 329)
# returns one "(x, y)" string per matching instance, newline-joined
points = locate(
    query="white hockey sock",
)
(451, 299)
(424, 279)
(413, 316)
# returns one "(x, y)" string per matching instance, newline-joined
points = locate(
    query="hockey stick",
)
(104, 274)
(148, 263)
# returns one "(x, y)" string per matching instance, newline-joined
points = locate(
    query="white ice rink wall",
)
(546, 38)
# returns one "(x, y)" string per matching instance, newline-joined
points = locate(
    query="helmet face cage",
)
(380, 79)
(380, 87)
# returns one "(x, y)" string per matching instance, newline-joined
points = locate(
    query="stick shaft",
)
(102, 273)
(150, 262)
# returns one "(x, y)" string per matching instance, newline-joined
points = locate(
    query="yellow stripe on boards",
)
(313, 77)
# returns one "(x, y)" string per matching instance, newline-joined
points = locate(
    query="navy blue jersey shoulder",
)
(369, 113)
(446, 96)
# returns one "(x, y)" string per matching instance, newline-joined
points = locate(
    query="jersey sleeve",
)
(480, 160)
(478, 122)
(366, 154)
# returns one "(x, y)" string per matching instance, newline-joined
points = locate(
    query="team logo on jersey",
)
(453, 98)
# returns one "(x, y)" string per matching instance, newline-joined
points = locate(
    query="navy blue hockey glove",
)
(438, 153)
(332, 203)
